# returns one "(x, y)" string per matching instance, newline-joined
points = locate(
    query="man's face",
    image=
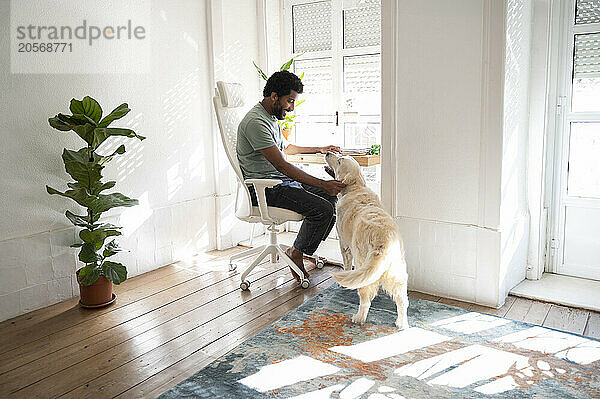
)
(284, 104)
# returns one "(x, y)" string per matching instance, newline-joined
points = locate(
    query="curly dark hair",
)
(282, 83)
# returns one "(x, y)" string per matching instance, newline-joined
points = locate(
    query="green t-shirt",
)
(258, 130)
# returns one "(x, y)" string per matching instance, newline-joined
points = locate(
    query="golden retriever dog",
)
(370, 237)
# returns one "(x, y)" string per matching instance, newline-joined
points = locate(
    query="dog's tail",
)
(376, 264)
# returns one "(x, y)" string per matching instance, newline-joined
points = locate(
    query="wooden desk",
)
(363, 160)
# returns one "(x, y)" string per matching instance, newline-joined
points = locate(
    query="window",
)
(340, 45)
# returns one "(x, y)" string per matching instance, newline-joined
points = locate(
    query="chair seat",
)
(280, 215)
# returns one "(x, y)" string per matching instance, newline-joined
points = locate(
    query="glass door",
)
(576, 235)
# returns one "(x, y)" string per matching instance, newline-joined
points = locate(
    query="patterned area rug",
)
(315, 351)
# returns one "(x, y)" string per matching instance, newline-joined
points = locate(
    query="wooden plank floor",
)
(169, 323)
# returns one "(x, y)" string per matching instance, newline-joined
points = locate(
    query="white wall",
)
(514, 216)
(235, 41)
(459, 209)
(274, 37)
(171, 172)
(440, 96)
(541, 120)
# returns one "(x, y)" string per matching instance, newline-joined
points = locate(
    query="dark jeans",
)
(317, 207)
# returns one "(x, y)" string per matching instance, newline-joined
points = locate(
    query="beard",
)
(279, 111)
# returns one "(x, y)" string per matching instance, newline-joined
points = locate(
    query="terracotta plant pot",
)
(96, 295)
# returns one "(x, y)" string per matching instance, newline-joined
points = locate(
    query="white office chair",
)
(227, 101)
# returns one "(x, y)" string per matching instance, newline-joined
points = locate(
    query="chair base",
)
(277, 251)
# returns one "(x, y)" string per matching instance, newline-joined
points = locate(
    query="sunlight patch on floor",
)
(470, 323)
(356, 388)
(391, 345)
(465, 366)
(388, 396)
(498, 386)
(287, 372)
(324, 393)
(564, 346)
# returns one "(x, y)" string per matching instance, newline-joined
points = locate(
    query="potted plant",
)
(85, 167)
(288, 123)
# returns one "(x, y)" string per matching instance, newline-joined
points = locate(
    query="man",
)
(259, 151)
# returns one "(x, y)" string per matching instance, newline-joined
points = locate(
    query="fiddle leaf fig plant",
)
(85, 167)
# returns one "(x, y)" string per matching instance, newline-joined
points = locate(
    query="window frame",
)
(337, 54)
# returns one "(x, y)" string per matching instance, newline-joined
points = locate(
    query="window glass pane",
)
(586, 73)
(588, 12)
(318, 86)
(361, 135)
(312, 26)
(362, 84)
(316, 134)
(584, 160)
(372, 175)
(362, 25)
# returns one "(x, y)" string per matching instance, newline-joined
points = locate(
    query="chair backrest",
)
(228, 100)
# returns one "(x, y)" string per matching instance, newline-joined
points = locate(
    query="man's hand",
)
(275, 157)
(332, 148)
(332, 187)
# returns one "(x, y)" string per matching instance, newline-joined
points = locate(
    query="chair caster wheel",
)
(232, 267)
(305, 284)
(320, 264)
(245, 285)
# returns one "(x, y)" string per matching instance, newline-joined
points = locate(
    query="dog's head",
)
(346, 169)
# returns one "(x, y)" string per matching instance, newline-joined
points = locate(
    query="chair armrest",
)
(259, 188)
(263, 182)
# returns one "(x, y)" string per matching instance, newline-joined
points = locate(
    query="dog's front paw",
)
(358, 319)
(402, 324)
